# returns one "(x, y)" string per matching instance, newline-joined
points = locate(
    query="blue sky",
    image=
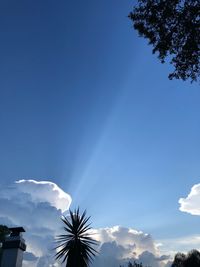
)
(85, 104)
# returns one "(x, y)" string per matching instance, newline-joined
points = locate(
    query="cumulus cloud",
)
(130, 239)
(38, 206)
(119, 245)
(45, 191)
(110, 254)
(149, 259)
(191, 204)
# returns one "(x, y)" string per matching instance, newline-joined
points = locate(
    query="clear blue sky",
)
(85, 104)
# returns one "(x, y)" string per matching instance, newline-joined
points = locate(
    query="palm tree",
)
(76, 247)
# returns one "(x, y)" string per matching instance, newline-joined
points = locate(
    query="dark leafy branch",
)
(173, 29)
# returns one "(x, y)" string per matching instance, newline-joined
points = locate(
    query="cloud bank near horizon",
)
(119, 245)
(191, 203)
(38, 206)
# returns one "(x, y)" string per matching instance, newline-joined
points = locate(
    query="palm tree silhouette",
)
(76, 247)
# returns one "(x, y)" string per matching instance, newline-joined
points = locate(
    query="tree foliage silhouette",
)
(173, 28)
(76, 247)
(135, 264)
(192, 259)
(4, 231)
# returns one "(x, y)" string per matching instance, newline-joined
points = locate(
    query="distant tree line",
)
(135, 264)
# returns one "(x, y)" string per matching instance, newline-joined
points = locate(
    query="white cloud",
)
(119, 245)
(191, 204)
(149, 259)
(38, 206)
(45, 191)
(130, 239)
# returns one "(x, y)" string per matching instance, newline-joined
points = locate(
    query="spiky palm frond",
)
(76, 247)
